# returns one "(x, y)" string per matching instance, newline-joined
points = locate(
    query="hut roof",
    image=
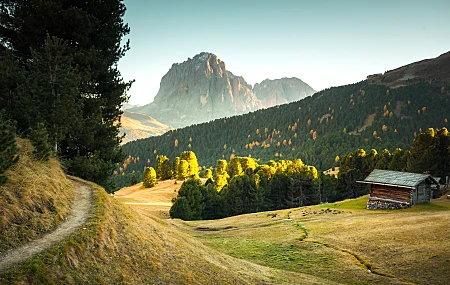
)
(396, 178)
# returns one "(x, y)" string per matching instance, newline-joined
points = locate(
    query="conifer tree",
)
(191, 159)
(149, 179)
(175, 167)
(39, 139)
(221, 168)
(133, 179)
(235, 167)
(183, 170)
(163, 171)
(180, 209)
(8, 149)
(208, 173)
(88, 35)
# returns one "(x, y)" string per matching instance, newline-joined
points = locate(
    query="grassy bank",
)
(36, 198)
(118, 245)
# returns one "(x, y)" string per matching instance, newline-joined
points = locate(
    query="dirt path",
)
(78, 215)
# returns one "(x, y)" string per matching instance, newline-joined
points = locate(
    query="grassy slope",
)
(122, 246)
(131, 244)
(138, 126)
(340, 244)
(35, 199)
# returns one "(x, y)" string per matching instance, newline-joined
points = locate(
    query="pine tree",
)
(39, 139)
(149, 179)
(92, 31)
(55, 102)
(8, 149)
(191, 189)
(133, 179)
(180, 209)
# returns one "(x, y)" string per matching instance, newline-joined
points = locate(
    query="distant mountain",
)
(281, 91)
(319, 129)
(199, 90)
(435, 71)
(137, 126)
(127, 106)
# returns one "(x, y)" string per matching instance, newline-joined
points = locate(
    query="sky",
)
(324, 43)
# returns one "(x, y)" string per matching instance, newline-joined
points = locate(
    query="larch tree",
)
(149, 179)
(163, 171)
(191, 159)
(183, 170)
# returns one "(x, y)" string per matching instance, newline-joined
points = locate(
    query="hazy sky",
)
(324, 43)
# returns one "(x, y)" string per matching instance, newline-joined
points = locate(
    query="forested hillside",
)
(317, 129)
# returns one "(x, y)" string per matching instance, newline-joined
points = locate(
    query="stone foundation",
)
(379, 204)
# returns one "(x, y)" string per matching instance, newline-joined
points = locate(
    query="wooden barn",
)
(395, 189)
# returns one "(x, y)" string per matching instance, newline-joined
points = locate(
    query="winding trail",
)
(79, 213)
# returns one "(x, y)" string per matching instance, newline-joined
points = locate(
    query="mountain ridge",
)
(201, 89)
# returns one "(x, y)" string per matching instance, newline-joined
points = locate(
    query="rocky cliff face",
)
(281, 91)
(199, 90)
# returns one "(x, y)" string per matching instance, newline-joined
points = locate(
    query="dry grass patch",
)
(340, 241)
(36, 198)
(119, 245)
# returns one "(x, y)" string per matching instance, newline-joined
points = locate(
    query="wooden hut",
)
(395, 189)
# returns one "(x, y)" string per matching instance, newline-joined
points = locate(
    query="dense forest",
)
(59, 81)
(319, 129)
(242, 186)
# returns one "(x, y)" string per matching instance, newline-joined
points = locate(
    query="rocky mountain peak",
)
(200, 89)
(281, 91)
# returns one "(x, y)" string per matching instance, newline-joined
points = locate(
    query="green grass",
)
(341, 245)
(350, 204)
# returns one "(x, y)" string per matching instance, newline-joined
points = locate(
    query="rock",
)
(281, 91)
(199, 90)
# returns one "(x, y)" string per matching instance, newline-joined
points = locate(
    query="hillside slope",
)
(436, 71)
(119, 245)
(36, 198)
(137, 126)
(330, 123)
(384, 246)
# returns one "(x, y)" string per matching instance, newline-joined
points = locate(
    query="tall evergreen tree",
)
(192, 192)
(93, 31)
(8, 149)
(39, 139)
